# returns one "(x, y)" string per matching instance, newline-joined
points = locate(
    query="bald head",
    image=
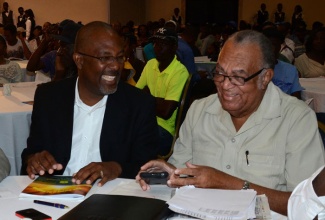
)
(88, 31)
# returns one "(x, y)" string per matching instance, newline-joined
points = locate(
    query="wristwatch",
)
(246, 185)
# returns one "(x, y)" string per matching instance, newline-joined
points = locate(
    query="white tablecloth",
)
(208, 67)
(11, 187)
(15, 119)
(314, 88)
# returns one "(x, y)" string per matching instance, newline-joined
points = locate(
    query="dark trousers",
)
(165, 142)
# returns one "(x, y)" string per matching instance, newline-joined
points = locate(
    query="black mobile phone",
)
(154, 177)
(32, 214)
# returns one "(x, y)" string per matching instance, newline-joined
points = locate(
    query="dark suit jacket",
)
(129, 133)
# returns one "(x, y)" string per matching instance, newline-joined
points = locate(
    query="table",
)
(13, 185)
(314, 88)
(28, 76)
(15, 120)
(204, 64)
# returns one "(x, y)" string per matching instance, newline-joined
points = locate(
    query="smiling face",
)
(96, 77)
(241, 60)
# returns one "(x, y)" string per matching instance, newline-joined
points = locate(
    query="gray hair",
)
(265, 45)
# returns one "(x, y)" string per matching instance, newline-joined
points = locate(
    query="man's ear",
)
(268, 75)
(78, 59)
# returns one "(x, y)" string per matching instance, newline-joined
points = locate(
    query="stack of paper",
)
(214, 203)
(202, 59)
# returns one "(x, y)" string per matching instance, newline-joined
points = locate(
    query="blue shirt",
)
(286, 77)
(149, 52)
(48, 60)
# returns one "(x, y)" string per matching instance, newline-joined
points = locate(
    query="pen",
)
(246, 153)
(56, 205)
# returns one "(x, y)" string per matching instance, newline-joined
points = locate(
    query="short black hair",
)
(312, 36)
(38, 27)
(272, 32)
(11, 28)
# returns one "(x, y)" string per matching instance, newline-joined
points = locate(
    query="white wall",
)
(58, 10)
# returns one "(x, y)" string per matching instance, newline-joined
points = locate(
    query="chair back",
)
(41, 77)
(183, 106)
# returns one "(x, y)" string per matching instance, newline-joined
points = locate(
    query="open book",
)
(55, 187)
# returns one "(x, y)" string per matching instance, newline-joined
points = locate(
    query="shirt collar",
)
(81, 104)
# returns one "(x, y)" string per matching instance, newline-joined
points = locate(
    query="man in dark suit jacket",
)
(128, 133)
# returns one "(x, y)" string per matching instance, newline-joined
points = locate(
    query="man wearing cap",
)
(184, 52)
(165, 78)
(48, 62)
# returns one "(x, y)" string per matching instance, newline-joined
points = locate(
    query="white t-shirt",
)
(15, 51)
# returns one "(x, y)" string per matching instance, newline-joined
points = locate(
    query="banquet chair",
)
(183, 106)
(41, 77)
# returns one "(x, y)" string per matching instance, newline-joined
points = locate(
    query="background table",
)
(203, 64)
(314, 88)
(15, 119)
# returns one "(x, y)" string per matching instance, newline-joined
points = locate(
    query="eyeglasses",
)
(235, 80)
(106, 59)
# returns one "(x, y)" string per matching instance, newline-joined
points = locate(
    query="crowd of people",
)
(108, 113)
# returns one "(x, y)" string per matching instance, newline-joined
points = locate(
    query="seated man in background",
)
(286, 75)
(59, 63)
(93, 126)
(65, 66)
(184, 52)
(4, 166)
(15, 47)
(43, 58)
(248, 135)
(165, 78)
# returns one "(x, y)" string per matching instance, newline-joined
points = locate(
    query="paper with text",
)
(214, 203)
